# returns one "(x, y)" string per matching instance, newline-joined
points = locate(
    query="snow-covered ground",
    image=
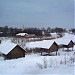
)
(35, 64)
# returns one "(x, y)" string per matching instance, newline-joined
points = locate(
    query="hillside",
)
(35, 64)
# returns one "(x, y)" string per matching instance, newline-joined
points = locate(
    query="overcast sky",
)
(37, 13)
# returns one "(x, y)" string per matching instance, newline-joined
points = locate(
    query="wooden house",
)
(70, 44)
(25, 35)
(11, 51)
(67, 45)
(44, 46)
(52, 48)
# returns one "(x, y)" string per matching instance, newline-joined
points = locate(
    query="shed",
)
(67, 45)
(70, 44)
(44, 46)
(11, 51)
(53, 48)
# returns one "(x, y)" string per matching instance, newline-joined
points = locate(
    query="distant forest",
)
(10, 31)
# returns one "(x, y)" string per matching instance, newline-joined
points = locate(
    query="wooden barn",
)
(70, 44)
(11, 51)
(53, 48)
(67, 45)
(44, 46)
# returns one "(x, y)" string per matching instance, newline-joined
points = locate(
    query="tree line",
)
(10, 31)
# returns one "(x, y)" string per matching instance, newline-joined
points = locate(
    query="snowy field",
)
(35, 64)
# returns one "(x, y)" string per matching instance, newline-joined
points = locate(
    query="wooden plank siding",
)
(69, 45)
(16, 52)
(53, 48)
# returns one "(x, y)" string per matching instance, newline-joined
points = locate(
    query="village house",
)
(67, 45)
(26, 35)
(53, 48)
(21, 34)
(11, 51)
(44, 46)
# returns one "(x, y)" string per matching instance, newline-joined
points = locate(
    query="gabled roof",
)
(64, 41)
(55, 43)
(40, 44)
(71, 42)
(5, 48)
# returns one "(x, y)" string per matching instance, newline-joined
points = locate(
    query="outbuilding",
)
(11, 51)
(68, 44)
(44, 46)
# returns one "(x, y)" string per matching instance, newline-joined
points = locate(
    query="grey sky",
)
(37, 13)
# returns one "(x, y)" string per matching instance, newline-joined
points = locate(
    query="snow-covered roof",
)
(40, 44)
(21, 34)
(65, 40)
(5, 48)
(54, 34)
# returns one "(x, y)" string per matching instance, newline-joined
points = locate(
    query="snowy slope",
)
(29, 65)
